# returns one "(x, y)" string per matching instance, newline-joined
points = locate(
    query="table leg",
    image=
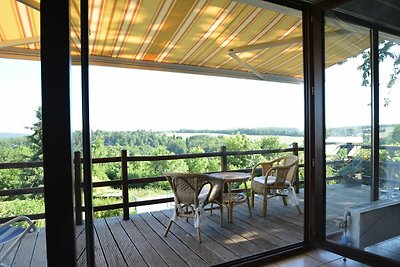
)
(247, 198)
(230, 205)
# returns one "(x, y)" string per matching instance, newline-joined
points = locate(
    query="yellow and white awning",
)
(241, 38)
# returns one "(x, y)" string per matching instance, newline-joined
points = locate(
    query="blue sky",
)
(128, 99)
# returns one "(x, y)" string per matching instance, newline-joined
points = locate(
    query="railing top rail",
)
(20, 165)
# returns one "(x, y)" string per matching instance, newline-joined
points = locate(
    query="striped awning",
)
(240, 38)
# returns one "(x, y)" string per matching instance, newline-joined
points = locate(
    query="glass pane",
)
(183, 79)
(76, 126)
(381, 232)
(348, 124)
(21, 151)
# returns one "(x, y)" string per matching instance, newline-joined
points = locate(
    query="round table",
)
(232, 198)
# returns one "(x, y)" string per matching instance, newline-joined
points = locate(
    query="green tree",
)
(36, 139)
(395, 136)
(241, 142)
(387, 49)
(197, 164)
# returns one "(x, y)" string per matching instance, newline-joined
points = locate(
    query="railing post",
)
(125, 192)
(224, 159)
(349, 147)
(296, 153)
(78, 187)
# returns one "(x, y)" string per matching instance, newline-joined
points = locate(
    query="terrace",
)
(137, 238)
(284, 41)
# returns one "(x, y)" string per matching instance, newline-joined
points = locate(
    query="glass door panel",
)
(348, 126)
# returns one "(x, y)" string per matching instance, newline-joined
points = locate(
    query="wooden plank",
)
(151, 256)
(291, 229)
(200, 249)
(81, 261)
(80, 240)
(248, 232)
(168, 254)
(10, 257)
(25, 250)
(39, 257)
(99, 256)
(191, 258)
(263, 223)
(208, 242)
(225, 238)
(108, 245)
(129, 251)
(266, 233)
(239, 235)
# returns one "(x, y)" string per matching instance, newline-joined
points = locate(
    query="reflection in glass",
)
(352, 218)
(348, 124)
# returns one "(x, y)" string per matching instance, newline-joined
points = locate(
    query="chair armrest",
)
(31, 224)
(265, 165)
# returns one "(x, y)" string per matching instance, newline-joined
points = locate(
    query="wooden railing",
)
(125, 182)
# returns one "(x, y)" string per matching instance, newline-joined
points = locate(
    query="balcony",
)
(137, 239)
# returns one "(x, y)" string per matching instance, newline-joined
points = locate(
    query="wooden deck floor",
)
(139, 241)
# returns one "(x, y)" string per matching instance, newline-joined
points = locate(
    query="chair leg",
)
(221, 218)
(167, 229)
(284, 199)
(211, 208)
(248, 204)
(298, 208)
(252, 199)
(264, 208)
(198, 234)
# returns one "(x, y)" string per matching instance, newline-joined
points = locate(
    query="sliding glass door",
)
(362, 139)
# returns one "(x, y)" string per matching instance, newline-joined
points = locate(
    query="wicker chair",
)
(192, 192)
(277, 177)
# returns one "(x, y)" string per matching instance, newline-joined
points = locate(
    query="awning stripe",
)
(95, 19)
(296, 26)
(170, 26)
(240, 28)
(129, 17)
(186, 24)
(212, 27)
(157, 25)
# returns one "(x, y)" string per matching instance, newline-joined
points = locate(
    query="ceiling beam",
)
(22, 41)
(171, 67)
(31, 3)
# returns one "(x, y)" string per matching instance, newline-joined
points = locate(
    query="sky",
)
(128, 99)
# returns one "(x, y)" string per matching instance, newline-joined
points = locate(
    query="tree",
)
(197, 164)
(36, 139)
(395, 136)
(241, 142)
(386, 50)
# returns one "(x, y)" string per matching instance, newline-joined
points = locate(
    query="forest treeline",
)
(141, 142)
(250, 131)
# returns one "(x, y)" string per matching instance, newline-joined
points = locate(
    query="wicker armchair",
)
(192, 192)
(277, 178)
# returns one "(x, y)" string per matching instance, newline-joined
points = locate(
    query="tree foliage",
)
(386, 51)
